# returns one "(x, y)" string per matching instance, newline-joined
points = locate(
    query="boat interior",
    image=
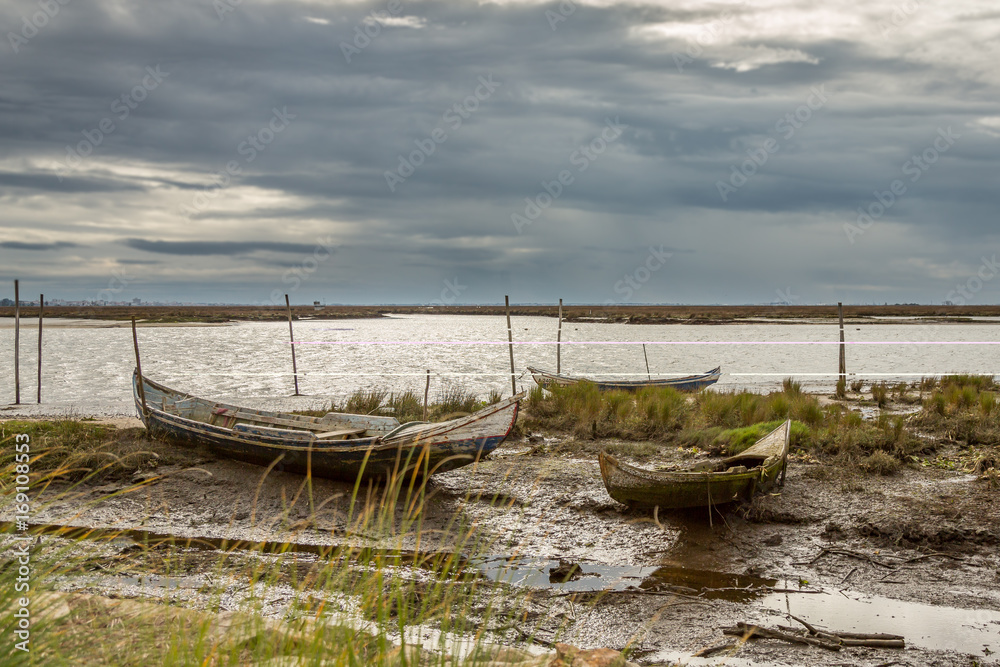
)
(331, 426)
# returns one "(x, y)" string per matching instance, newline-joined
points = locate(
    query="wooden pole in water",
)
(427, 388)
(17, 343)
(291, 337)
(842, 369)
(648, 376)
(41, 306)
(138, 370)
(559, 340)
(510, 345)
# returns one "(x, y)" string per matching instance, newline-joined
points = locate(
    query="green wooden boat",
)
(755, 470)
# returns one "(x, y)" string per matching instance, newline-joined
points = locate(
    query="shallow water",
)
(971, 631)
(87, 369)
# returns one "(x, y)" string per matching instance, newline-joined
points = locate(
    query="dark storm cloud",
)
(162, 120)
(215, 247)
(52, 183)
(19, 245)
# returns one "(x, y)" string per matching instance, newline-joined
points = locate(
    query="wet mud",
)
(915, 554)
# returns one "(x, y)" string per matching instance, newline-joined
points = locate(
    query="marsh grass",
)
(406, 406)
(880, 393)
(721, 422)
(79, 450)
(963, 408)
(389, 581)
(454, 398)
(366, 401)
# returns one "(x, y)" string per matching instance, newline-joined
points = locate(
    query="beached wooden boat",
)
(336, 446)
(755, 470)
(688, 383)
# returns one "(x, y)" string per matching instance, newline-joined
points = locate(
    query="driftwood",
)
(851, 554)
(871, 640)
(744, 630)
(891, 566)
(709, 650)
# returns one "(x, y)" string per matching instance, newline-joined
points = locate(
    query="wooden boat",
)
(336, 446)
(689, 383)
(755, 470)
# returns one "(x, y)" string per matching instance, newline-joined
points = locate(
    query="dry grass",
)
(77, 450)
(963, 408)
(685, 314)
(721, 422)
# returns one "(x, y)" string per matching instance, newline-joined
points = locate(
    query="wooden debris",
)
(746, 630)
(709, 650)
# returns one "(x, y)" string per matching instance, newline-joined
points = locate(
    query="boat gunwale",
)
(373, 443)
(686, 478)
(574, 379)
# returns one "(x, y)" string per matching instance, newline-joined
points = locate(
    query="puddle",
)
(534, 573)
(519, 571)
(709, 584)
(971, 631)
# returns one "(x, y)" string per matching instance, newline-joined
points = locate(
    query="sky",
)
(407, 151)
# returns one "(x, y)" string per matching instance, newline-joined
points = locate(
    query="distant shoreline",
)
(174, 315)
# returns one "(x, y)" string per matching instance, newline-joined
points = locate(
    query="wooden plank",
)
(291, 338)
(138, 371)
(345, 433)
(262, 419)
(559, 340)
(510, 344)
(17, 343)
(41, 306)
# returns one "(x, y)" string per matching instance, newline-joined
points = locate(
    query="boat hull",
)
(676, 490)
(689, 383)
(424, 448)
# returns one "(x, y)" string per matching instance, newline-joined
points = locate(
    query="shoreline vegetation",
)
(903, 421)
(630, 314)
(358, 603)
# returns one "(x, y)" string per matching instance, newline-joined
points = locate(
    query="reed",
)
(386, 582)
(723, 423)
(880, 393)
(963, 407)
(366, 401)
(454, 398)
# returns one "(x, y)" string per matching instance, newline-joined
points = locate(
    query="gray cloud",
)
(216, 247)
(155, 176)
(20, 245)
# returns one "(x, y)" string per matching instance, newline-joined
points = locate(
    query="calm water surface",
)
(87, 369)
